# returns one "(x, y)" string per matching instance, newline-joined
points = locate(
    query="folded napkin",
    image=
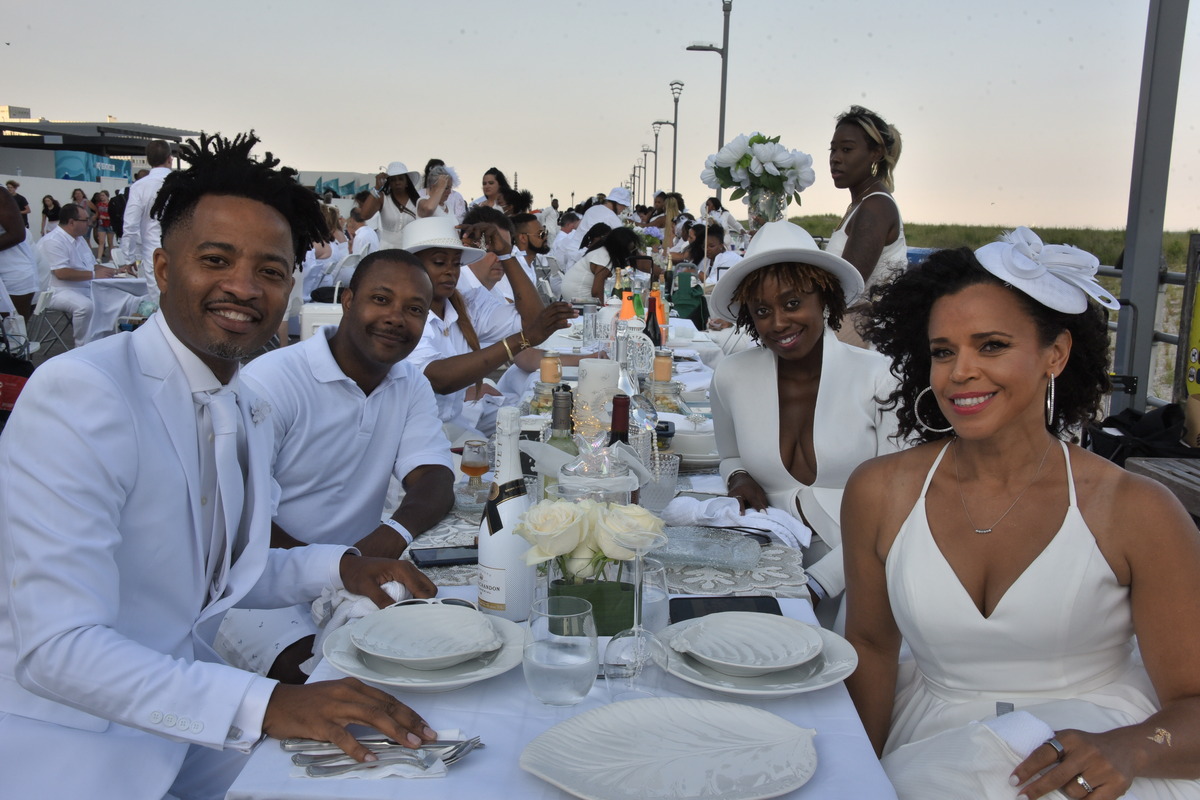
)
(685, 425)
(438, 770)
(334, 608)
(973, 761)
(723, 512)
(684, 367)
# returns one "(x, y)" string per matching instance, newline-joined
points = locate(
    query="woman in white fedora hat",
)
(395, 198)
(469, 336)
(796, 415)
(1022, 572)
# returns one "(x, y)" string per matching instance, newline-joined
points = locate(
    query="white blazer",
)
(105, 620)
(849, 427)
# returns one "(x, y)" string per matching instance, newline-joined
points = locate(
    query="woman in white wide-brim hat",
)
(796, 415)
(395, 198)
(468, 336)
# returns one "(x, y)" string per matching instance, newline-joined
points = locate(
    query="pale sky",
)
(1020, 112)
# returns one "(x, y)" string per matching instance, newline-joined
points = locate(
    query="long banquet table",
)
(503, 712)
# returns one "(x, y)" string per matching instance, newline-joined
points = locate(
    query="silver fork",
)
(423, 760)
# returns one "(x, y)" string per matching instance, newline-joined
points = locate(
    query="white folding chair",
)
(42, 329)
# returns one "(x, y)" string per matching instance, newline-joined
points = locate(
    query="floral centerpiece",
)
(763, 172)
(575, 542)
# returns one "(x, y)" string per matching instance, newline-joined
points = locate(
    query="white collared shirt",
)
(335, 447)
(60, 250)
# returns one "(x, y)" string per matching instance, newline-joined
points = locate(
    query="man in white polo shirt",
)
(63, 254)
(349, 413)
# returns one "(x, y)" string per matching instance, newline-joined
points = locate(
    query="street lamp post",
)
(676, 90)
(723, 52)
(657, 127)
(645, 153)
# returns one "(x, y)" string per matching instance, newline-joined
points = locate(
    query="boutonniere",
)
(259, 411)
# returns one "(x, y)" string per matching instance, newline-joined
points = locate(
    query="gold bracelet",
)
(507, 349)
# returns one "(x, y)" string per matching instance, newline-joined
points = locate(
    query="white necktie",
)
(223, 413)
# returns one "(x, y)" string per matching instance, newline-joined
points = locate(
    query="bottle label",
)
(501, 494)
(491, 588)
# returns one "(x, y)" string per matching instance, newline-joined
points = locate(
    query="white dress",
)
(577, 281)
(894, 257)
(1059, 644)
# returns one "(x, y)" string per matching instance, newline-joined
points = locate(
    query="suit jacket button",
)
(169, 720)
(184, 723)
(197, 726)
(156, 717)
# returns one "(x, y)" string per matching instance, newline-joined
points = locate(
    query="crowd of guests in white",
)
(169, 508)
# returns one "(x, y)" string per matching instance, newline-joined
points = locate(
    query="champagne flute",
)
(474, 465)
(634, 658)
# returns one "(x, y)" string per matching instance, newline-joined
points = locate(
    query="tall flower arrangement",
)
(759, 168)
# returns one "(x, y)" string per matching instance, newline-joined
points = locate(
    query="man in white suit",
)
(127, 530)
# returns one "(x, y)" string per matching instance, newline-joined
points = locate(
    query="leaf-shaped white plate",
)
(745, 643)
(836, 662)
(427, 636)
(673, 748)
(347, 658)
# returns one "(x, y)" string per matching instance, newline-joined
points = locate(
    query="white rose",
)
(583, 562)
(622, 520)
(554, 528)
(708, 175)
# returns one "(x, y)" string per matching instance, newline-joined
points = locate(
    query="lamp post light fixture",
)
(657, 126)
(646, 151)
(676, 90)
(723, 52)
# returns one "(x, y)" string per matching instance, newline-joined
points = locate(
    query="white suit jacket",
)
(849, 427)
(105, 618)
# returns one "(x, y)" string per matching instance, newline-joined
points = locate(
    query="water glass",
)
(561, 657)
(655, 596)
(664, 480)
(587, 329)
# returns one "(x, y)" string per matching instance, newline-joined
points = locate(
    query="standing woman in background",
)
(395, 197)
(50, 209)
(497, 193)
(862, 158)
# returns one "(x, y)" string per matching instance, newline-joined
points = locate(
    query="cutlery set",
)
(323, 759)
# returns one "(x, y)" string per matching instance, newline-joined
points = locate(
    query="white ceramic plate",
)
(745, 643)
(706, 460)
(836, 662)
(674, 748)
(347, 658)
(427, 636)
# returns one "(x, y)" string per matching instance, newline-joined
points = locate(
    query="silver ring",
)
(1087, 787)
(1058, 748)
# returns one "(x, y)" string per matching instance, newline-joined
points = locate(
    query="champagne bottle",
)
(506, 582)
(652, 330)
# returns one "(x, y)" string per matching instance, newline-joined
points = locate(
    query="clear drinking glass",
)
(634, 658)
(655, 596)
(664, 474)
(474, 465)
(561, 655)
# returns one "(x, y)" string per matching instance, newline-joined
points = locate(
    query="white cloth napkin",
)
(438, 770)
(685, 425)
(333, 609)
(723, 512)
(972, 761)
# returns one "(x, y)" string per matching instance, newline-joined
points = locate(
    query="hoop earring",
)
(874, 168)
(1050, 402)
(917, 414)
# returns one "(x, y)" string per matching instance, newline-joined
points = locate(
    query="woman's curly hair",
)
(898, 326)
(219, 166)
(801, 277)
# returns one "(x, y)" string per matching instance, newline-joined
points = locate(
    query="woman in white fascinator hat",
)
(1023, 572)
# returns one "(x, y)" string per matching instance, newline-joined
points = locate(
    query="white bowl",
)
(429, 636)
(748, 643)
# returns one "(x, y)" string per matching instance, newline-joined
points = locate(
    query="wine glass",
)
(634, 658)
(474, 465)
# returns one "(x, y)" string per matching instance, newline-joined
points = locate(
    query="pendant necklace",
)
(963, 500)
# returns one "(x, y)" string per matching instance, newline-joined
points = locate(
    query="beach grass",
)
(1106, 245)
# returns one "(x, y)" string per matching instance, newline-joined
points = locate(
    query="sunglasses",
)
(445, 601)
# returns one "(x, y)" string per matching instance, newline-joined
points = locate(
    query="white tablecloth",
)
(505, 715)
(113, 298)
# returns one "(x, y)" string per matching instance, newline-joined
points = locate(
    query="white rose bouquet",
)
(579, 535)
(759, 163)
